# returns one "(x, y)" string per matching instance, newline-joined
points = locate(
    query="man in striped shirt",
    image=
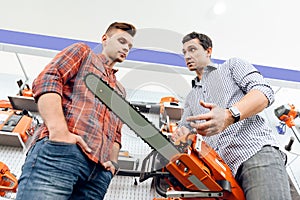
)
(75, 153)
(223, 107)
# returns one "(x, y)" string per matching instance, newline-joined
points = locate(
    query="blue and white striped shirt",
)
(224, 85)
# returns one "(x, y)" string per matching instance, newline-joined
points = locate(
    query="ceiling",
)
(263, 32)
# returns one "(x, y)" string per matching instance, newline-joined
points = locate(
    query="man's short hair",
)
(204, 40)
(129, 28)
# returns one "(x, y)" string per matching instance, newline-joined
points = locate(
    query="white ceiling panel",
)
(263, 32)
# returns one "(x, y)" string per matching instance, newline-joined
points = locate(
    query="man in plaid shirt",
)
(76, 149)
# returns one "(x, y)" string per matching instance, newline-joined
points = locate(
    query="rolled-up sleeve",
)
(255, 81)
(61, 69)
(249, 78)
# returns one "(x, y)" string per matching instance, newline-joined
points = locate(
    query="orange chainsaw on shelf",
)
(8, 182)
(15, 117)
(287, 114)
(16, 122)
(188, 171)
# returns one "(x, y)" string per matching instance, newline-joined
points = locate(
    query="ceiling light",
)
(219, 8)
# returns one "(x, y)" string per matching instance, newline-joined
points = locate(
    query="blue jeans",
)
(264, 177)
(60, 171)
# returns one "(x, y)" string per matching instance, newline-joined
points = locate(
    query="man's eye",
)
(192, 49)
(122, 41)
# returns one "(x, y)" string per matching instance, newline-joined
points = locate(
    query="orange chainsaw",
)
(192, 170)
(16, 121)
(198, 161)
(14, 118)
(8, 182)
(287, 114)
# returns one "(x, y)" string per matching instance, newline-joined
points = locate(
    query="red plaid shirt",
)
(85, 114)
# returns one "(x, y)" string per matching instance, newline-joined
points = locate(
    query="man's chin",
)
(119, 60)
(192, 68)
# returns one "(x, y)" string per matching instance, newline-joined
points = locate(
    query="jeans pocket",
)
(37, 144)
(57, 149)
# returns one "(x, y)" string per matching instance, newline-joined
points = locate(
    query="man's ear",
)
(209, 51)
(104, 38)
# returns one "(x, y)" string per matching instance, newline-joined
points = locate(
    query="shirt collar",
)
(196, 81)
(211, 67)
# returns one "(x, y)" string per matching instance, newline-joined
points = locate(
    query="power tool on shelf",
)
(8, 181)
(169, 111)
(287, 114)
(192, 170)
(17, 122)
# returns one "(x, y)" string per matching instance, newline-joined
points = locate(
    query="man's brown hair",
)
(129, 28)
(204, 40)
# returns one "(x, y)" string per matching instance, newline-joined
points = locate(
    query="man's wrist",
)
(235, 113)
(116, 166)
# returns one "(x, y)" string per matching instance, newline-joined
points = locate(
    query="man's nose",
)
(187, 56)
(126, 49)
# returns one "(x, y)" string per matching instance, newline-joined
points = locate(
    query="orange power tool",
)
(201, 162)
(288, 113)
(8, 182)
(16, 122)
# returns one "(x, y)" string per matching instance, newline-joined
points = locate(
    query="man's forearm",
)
(252, 103)
(50, 109)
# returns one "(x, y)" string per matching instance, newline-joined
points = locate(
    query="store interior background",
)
(263, 32)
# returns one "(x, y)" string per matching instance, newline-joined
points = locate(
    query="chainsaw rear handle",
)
(11, 179)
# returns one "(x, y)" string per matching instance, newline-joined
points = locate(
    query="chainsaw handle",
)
(5, 173)
(13, 179)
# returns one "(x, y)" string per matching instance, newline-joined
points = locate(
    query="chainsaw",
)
(287, 114)
(8, 181)
(16, 118)
(193, 170)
